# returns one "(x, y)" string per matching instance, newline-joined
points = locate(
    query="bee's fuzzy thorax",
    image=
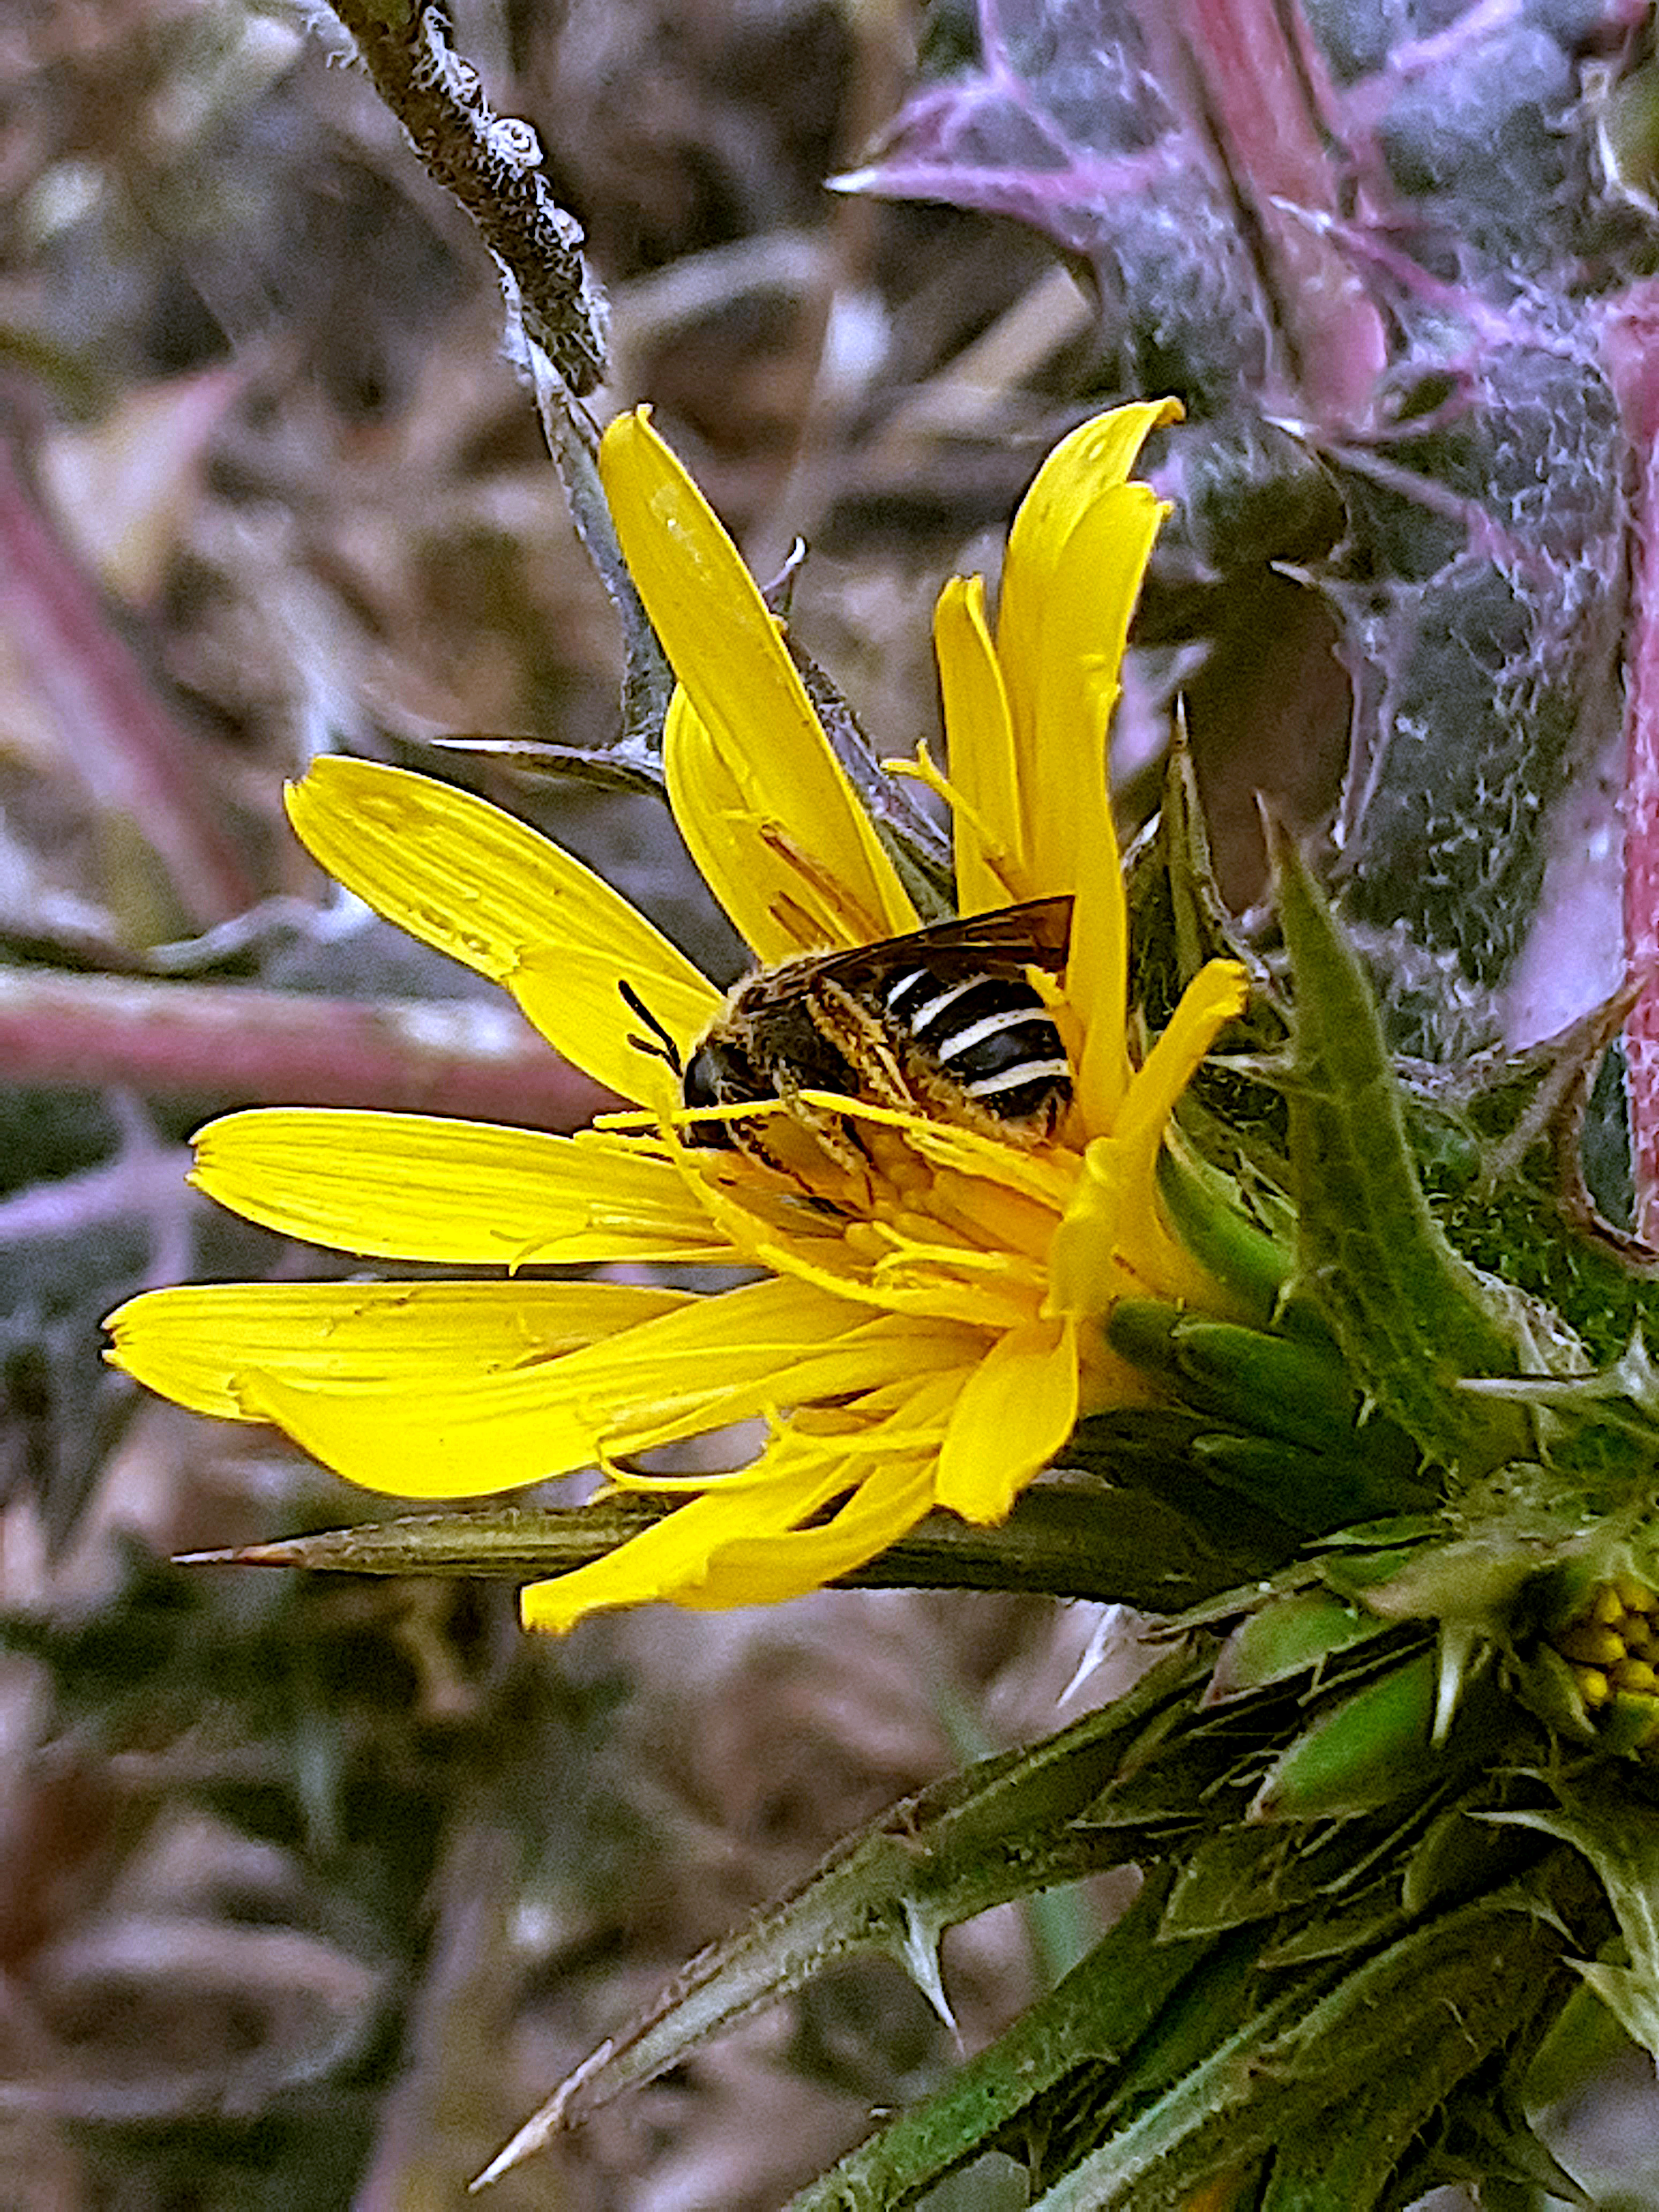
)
(946, 1022)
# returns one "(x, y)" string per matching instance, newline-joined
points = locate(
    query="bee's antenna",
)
(665, 1048)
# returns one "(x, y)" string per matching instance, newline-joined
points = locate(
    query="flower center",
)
(894, 1209)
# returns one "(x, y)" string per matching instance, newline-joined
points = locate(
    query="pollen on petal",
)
(780, 885)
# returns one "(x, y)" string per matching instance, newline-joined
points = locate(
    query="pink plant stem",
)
(251, 1047)
(132, 755)
(1632, 353)
(1253, 93)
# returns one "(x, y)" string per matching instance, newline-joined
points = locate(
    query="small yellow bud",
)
(1607, 1608)
(1635, 1597)
(1592, 1647)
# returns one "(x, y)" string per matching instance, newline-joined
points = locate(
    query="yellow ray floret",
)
(771, 820)
(458, 1194)
(461, 875)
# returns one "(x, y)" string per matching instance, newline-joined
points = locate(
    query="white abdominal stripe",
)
(1051, 1073)
(991, 1034)
(922, 1019)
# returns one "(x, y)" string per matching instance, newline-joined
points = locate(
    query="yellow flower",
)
(924, 1328)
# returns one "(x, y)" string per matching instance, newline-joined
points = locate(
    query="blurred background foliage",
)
(309, 1889)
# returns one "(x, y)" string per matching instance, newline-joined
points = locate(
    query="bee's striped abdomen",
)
(990, 1036)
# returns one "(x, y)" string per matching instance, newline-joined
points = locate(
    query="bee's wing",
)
(1003, 942)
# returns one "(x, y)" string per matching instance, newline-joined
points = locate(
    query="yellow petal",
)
(1012, 1415)
(1076, 556)
(461, 875)
(670, 1558)
(1217, 995)
(781, 900)
(1112, 1239)
(769, 1567)
(1098, 957)
(1113, 1243)
(462, 1194)
(986, 831)
(776, 1342)
(199, 1343)
(450, 1389)
(751, 707)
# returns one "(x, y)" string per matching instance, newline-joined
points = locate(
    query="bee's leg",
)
(794, 1145)
(864, 1041)
(856, 1036)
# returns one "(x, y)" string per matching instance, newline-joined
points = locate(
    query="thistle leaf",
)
(933, 1860)
(1091, 2019)
(1621, 1842)
(1411, 1319)
(1105, 1526)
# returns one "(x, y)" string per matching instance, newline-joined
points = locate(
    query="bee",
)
(944, 1022)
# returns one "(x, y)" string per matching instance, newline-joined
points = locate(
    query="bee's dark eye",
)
(700, 1085)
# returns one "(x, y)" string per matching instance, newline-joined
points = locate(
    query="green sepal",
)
(1178, 920)
(1268, 1384)
(1298, 1446)
(1412, 1319)
(1227, 1880)
(1584, 2042)
(1372, 1919)
(1544, 1682)
(1629, 1725)
(1286, 1638)
(1365, 1751)
(1393, 1532)
(1317, 1492)
(1479, 1579)
(1206, 1212)
(1620, 1840)
(1244, 1873)
(1277, 1387)
(1165, 1780)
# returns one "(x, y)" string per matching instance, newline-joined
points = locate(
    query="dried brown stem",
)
(490, 164)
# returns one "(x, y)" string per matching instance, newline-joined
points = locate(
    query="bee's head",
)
(700, 1084)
